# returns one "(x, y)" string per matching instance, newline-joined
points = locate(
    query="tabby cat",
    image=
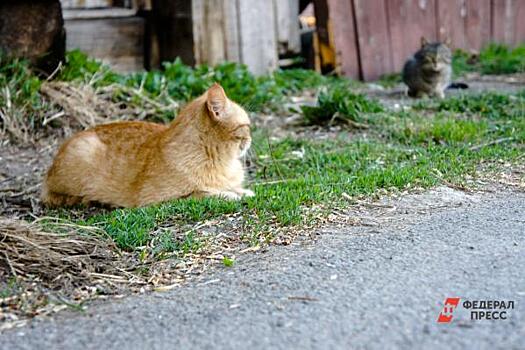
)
(428, 72)
(132, 164)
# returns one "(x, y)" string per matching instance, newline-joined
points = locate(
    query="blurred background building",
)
(357, 38)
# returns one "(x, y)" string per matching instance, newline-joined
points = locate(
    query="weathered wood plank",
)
(450, 22)
(231, 30)
(409, 20)
(373, 37)
(508, 21)
(118, 41)
(209, 36)
(341, 30)
(287, 22)
(464, 22)
(258, 45)
(477, 24)
(98, 13)
(519, 34)
(215, 31)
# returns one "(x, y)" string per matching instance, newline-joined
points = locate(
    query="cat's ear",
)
(424, 41)
(217, 101)
(448, 42)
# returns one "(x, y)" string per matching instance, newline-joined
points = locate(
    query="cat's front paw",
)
(245, 192)
(229, 195)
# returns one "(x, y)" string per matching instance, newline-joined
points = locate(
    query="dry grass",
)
(80, 103)
(88, 106)
(72, 106)
(17, 121)
(57, 259)
(43, 272)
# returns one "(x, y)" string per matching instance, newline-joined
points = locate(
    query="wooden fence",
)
(375, 37)
(252, 32)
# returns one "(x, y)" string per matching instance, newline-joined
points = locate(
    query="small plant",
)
(80, 67)
(295, 80)
(492, 59)
(228, 262)
(338, 104)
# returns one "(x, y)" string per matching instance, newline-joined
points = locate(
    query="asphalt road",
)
(377, 287)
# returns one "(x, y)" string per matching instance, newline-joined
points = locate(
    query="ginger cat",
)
(132, 164)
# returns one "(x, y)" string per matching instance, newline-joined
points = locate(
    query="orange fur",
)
(132, 164)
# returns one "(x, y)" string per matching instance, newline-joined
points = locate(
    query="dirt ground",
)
(21, 171)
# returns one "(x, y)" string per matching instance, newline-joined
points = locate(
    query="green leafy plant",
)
(78, 66)
(228, 262)
(339, 104)
(492, 59)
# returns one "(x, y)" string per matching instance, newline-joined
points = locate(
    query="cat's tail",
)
(461, 86)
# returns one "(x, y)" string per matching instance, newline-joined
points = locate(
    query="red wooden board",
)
(508, 21)
(519, 34)
(450, 21)
(388, 31)
(477, 24)
(341, 21)
(409, 20)
(373, 38)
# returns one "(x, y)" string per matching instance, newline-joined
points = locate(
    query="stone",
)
(33, 29)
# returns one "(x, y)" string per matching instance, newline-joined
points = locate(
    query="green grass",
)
(338, 104)
(492, 59)
(9, 288)
(438, 141)
(28, 110)
(490, 105)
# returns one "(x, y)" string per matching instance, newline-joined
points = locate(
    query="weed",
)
(339, 102)
(492, 59)
(79, 67)
(228, 262)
